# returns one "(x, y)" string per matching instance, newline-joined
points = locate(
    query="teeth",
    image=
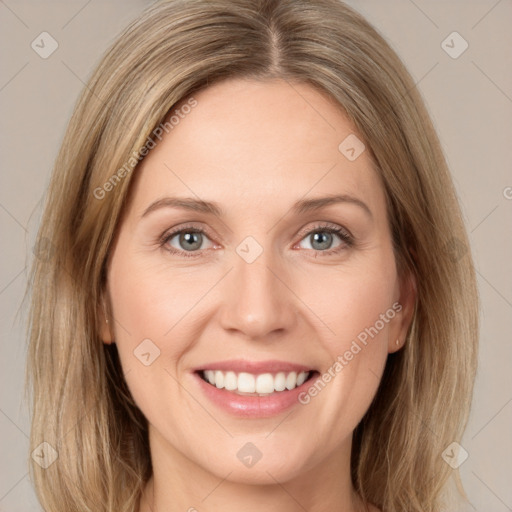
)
(230, 381)
(262, 384)
(291, 380)
(280, 382)
(246, 383)
(301, 378)
(265, 383)
(219, 379)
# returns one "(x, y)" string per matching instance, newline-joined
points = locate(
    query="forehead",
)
(247, 142)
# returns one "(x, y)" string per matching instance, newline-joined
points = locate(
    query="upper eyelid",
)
(324, 225)
(173, 232)
(169, 234)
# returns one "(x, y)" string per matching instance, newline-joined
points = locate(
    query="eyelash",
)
(343, 234)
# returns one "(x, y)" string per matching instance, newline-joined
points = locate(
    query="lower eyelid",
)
(343, 246)
(345, 238)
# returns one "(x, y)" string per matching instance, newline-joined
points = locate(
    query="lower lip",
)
(253, 406)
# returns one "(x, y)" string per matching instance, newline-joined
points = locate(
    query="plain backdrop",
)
(469, 98)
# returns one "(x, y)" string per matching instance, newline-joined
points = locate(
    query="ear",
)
(105, 330)
(404, 309)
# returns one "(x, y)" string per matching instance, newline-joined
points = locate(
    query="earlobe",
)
(404, 317)
(105, 331)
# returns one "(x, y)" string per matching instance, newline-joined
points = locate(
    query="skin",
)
(255, 148)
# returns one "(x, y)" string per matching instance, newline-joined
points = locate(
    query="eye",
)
(190, 241)
(187, 241)
(328, 239)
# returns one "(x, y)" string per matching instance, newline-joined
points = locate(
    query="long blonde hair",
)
(81, 405)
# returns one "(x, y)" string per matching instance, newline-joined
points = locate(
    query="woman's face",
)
(255, 252)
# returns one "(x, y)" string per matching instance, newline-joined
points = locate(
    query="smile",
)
(263, 384)
(253, 389)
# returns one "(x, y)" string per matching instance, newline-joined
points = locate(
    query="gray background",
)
(470, 100)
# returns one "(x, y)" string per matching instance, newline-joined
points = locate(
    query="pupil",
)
(191, 240)
(323, 238)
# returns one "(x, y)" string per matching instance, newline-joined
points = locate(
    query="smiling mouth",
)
(262, 384)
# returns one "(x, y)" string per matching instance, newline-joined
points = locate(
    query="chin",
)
(263, 469)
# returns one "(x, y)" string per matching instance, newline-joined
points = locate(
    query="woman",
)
(252, 299)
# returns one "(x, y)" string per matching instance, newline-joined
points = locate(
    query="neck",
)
(179, 484)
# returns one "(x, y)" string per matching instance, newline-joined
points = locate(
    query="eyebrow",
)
(212, 208)
(307, 205)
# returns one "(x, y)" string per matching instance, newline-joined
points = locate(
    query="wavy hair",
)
(80, 402)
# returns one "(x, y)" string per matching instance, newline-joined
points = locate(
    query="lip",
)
(256, 367)
(246, 406)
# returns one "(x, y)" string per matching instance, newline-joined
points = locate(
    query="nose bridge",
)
(258, 303)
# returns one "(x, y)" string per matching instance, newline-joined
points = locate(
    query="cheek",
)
(362, 306)
(155, 318)
(358, 308)
(151, 302)
(353, 299)
(153, 310)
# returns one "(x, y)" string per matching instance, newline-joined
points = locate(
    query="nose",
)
(258, 303)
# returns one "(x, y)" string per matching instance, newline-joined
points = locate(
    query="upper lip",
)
(255, 367)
